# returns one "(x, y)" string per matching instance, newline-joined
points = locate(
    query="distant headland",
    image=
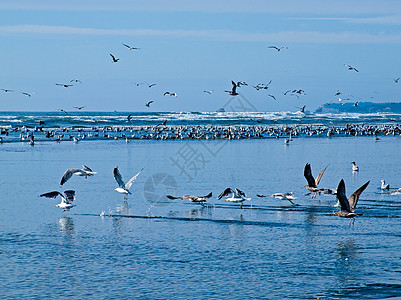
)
(360, 107)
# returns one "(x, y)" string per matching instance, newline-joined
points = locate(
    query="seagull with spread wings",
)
(313, 183)
(348, 205)
(194, 199)
(114, 58)
(237, 196)
(123, 188)
(66, 198)
(233, 91)
(85, 171)
(130, 48)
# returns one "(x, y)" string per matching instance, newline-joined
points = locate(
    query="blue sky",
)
(191, 46)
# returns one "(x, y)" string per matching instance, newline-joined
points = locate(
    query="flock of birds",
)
(233, 92)
(236, 195)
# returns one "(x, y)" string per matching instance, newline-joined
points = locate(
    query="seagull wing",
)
(320, 176)
(308, 176)
(240, 193)
(234, 89)
(207, 196)
(353, 199)
(69, 196)
(261, 196)
(51, 194)
(86, 168)
(172, 197)
(129, 183)
(118, 178)
(67, 175)
(342, 197)
(226, 192)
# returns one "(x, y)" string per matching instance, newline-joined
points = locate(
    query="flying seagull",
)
(396, 79)
(208, 92)
(194, 199)
(281, 196)
(114, 58)
(66, 199)
(76, 80)
(85, 171)
(278, 48)
(148, 104)
(170, 94)
(351, 68)
(28, 94)
(313, 183)
(130, 48)
(237, 196)
(348, 205)
(7, 90)
(79, 107)
(124, 187)
(64, 85)
(233, 91)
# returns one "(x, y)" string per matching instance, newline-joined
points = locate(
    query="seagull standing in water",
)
(66, 199)
(384, 186)
(348, 205)
(194, 199)
(312, 185)
(355, 168)
(237, 196)
(124, 187)
(85, 171)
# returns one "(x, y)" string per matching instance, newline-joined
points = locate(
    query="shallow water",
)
(152, 247)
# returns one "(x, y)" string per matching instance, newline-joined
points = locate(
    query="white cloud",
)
(219, 35)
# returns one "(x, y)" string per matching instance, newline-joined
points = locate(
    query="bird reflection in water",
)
(66, 226)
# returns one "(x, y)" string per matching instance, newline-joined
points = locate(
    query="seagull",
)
(337, 93)
(7, 90)
(282, 196)
(152, 84)
(356, 104)
(60, 109)
(170, 94)
(162, 123)
(384, 186)
(85, 171)
(233, 91)
(312, 183)
(66, 199)
(239, 83)
(238, 196)
(270, 95)
(64, 85)
(79, 107)
(114, 59)
(277, 48)
(130, 48)
(208, 92)
(396, 79)
(124, 187)
(28, 94)
(194, 199)
(76, 80)
(355, 168)
(148, 104)
(302, 109)
(348, 205)
(351, 68)
(129, 118)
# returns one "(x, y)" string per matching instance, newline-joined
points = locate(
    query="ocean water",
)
(272, 250)
(151, 247)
